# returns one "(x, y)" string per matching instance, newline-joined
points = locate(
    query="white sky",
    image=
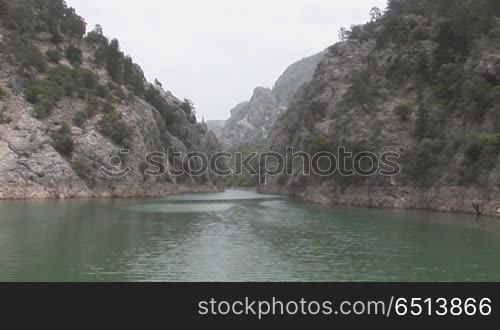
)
(216, 52)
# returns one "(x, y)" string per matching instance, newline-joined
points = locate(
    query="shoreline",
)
(242, 189)
(452, 200)
(428, 199)
(118, 192)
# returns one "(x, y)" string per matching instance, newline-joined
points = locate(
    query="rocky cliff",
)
(422, 80)
(251, 121)
(71, 104)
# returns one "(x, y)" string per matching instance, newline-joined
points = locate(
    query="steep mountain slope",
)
(71, 103)
(216, 126)
(422, 80)
(251, 121)
(295, 76)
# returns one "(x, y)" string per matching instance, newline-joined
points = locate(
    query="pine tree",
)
(73, 24)
(114, 61)
(375, 14)
(422, 122)
(63, 140)
(187, 106)
(96, 36)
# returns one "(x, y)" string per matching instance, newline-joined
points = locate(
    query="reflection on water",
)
(179, 208)
(240, 236)
(231, 196)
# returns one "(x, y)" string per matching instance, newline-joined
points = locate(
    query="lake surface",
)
(240, 236)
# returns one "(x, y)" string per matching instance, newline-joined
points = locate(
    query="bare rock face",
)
(31, 164)
(251, 121)
(372, 93)
(295, 76)
(216, 126)
(30, 167)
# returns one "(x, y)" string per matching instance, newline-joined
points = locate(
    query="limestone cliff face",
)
(402, 84)
(294, 77)
(31, 168)
(216, 126)
(251, 121)
(31, 163)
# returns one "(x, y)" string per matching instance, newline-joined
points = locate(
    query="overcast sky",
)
(215, 52)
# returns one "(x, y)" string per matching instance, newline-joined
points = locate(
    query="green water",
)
(239, 236)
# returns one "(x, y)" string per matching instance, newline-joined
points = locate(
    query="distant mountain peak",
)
(251, 120)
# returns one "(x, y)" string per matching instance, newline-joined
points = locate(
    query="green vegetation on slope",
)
(71, 65)
(432, 46)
